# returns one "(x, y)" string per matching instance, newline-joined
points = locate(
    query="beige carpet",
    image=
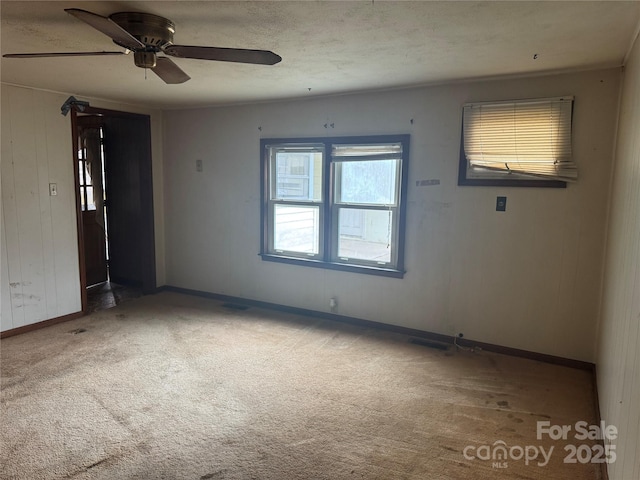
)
(177, 387)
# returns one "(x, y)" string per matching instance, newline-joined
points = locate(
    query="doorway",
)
(114, 193)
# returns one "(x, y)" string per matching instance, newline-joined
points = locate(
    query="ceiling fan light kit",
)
(145, 59)
(147, 35)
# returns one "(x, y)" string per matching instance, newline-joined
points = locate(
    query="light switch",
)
(53, 189)
(501, 204)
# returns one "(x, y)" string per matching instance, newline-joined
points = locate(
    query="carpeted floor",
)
(170, 386)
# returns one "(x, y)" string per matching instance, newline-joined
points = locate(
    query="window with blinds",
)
(518, 140)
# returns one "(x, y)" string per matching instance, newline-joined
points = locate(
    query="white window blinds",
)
(529, 137)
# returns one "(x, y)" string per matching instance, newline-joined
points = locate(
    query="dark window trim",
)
(328, 203)
(463, 181)
(344, 267)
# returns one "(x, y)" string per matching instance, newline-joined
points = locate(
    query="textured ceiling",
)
(327, 47)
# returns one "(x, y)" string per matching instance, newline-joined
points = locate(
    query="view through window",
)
(335, 203)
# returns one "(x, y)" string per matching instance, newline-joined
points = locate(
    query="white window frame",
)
(274, 199)
(339, 204)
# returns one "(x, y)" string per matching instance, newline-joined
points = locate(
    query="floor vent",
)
(235, 306)
(427, 343)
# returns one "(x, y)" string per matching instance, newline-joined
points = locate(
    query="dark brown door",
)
(129, 200)
(90, 172)
(95, 258)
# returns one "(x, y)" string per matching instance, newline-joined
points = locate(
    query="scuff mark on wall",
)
(28, 296)
(433, 210)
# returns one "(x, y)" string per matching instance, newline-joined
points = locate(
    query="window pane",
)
(367, 182)
(365, 234)
(90, 202)
(298, 176)
(296, 228)
(86, 173)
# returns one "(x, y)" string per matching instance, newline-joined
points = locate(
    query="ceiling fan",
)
(147, 35)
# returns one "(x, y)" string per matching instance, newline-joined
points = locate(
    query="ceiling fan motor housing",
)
(154, 31)
(145, 59)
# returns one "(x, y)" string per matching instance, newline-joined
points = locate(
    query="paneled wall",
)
(39, 262)
(527, 278)
(618, 361)
(40, 276)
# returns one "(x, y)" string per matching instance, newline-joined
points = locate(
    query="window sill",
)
(367, 270)
(464, 181)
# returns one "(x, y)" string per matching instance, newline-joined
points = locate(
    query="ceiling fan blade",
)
(108, 27)
(60, 54)
(261, 57)
(169, 72)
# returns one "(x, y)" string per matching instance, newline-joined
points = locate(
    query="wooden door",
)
(90, 184)
(352, 222)
(95, 251)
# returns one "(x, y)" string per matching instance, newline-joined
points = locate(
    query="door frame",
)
(149, 269)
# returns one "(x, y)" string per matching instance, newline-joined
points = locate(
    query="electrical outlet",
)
(501, 204)
(53, 189)
(198, 165)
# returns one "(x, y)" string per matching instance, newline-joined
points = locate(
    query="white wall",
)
(40, 278)
(39, 263)
(528, 278)
(618, 363)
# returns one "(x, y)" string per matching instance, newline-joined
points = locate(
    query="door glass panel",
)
(365, 234)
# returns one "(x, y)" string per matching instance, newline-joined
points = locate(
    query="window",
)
(335, 202)
(517, 143)
(91, 168)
